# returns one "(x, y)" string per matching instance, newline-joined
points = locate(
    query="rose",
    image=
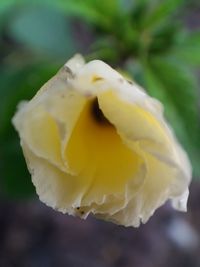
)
(97, 143)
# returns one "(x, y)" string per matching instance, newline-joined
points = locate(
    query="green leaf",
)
(188, 49)
(102, 14)
(109, 7)
(103, 49)
(6, 5)
(86, 10)
(16, 85)
(174, 85)
(44, 30)
(135, 70)
(15, 178)
(160, 12)
(126, 5)
(163, 39)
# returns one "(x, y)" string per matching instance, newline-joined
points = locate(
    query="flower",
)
(97, 143)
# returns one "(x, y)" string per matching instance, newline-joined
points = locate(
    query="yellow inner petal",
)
(97, 154)
(132, 120)
(42, 135)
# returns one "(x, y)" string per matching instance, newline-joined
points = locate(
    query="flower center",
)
(98, 115)
(97, 155)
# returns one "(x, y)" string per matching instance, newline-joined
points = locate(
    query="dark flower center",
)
(97, 114)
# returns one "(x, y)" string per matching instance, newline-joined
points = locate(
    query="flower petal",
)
(135, 124)
(156, 190)
(45, 124)
(56, 188)
(46, 144)
(102, 161)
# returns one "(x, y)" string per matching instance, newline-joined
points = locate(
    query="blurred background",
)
(156, 43)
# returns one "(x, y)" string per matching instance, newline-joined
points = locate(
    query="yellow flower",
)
(97, 143)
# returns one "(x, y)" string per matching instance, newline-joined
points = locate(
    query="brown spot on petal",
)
(130, 82)
(67, 72)
(121, 80)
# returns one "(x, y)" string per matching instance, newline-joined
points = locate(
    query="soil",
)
(33, 235)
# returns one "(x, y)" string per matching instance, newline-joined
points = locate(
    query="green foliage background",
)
(150, 40)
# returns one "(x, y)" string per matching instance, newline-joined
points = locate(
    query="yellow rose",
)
(97, 143)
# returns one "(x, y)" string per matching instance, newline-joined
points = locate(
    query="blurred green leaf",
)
(5, 5)
(188, 49)
(87, 10)
(138, 13)
(43, 30)
(161, 11)
(136, 71)
(17, 85)
(126, 5)
(174, 85)
(108, 7)
(15, 178)
(163, 39)
(6, 8)
(102, 14)
(103, 49)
